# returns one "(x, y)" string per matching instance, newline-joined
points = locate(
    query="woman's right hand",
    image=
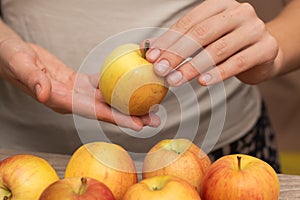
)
(47, 79)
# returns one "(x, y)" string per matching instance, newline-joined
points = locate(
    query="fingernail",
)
(153, 54)
(206, 78)
(162, 67)
(175, 77)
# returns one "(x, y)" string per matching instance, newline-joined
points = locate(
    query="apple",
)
(128, 83)
(25, 176)
(77, 188)
(239, 177)
(177, 157)
(163, 188)
(106, 162)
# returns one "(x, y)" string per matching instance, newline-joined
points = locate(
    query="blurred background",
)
(282, 96)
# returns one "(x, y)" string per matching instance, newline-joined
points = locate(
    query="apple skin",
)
(25, 176)
(177, 157)
(77, 188)
(106, 162)
(163, 188)
(254, 179)
(128, 83)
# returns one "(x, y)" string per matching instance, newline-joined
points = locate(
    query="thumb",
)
(32, 74)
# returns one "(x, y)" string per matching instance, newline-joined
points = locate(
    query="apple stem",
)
(146, 48)
(82, 186)
(6, 198)
(239, 162)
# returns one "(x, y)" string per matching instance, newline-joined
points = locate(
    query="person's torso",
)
(70, 29)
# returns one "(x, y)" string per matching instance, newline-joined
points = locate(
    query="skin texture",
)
(225, 39)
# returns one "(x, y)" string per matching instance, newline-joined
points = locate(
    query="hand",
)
(44, 77)
(224, 38)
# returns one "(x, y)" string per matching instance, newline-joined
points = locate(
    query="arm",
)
(286, 29)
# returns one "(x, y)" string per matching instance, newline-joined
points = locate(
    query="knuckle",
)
(222, 73)
(273, 46)
(201, 32)
(259, 26)
(219, 47)
(185, 23)
(245, 10)
(239, 61)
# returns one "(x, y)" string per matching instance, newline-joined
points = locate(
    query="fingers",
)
(242, 62)
(106, 113)
(217, 52)
(209, 39)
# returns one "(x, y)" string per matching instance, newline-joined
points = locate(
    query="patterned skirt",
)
(258, 142)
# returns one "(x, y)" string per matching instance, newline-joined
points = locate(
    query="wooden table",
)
(289, 184)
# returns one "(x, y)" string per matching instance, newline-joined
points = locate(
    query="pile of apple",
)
(173, 169)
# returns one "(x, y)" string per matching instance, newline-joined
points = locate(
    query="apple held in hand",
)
(240, 177)
(163, 188)
(106, 162)
(25, 177)
(177, 157)
(77, 188)
(128, 82)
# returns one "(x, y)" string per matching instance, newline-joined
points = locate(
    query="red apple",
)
(240, 177)
(79, 188)
(25, 177)
(163, 188)
(177, 157)
(106, 162)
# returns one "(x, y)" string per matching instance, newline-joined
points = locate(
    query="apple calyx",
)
(82, 187)
(239, 158)
(146, 48)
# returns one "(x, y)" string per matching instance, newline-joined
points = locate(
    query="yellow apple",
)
(25, 176)
(106, 162)
(239, 177)
(128, 82)
(163, 188)
(177, 157)
(77, 188)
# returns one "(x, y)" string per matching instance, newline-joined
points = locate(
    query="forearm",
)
(10, 44)
(286, 29)
(6, 32)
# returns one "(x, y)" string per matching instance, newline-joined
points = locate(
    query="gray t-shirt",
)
(70, 29)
